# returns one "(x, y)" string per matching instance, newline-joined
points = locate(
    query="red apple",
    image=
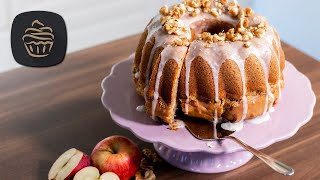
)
(117, 154)
(68, 164)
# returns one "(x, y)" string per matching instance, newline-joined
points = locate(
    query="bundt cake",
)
(212, 59)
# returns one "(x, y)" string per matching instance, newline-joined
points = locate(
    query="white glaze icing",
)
(141, 108)
(232, 126)
(215, 55)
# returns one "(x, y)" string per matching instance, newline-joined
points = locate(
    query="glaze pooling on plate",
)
(237, 126)
(260, 119)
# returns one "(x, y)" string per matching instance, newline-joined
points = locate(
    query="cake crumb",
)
(247, 44)
(177, 124)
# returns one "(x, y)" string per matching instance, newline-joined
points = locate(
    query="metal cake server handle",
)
(273, 163)
(223, 134)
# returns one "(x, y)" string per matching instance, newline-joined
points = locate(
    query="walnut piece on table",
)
(145, 171)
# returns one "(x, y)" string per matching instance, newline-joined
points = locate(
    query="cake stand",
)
(181, 149)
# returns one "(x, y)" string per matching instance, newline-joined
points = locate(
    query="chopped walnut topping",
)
(247, 44)
(243, 31)
(256, 20)
(190, 9)
(233, 8)
(206, 3)
(182, 41)
(219, 37)
(145, 171)
(164, 10)
(207, 37)
(259, 32)
(237, 37)
(145, 175)
(218, 5)
(214, 12)
(206, 10)
(230, 33)
(177, 12)
(242, 25)
(138, 175)
(223, 1)
(149, 175)
(248, 12)
(234, 11)
(173, 26)
(262, 25)
(246, 22)
(151, 155)
(194, 3)
(195, 12)
(247, 36)
(182, 7)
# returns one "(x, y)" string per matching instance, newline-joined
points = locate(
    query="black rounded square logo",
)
(38, 39)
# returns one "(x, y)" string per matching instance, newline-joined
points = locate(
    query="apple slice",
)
(68, 164)
(109, 176)
(87, 173)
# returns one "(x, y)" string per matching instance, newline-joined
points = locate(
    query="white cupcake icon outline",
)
(38, 39)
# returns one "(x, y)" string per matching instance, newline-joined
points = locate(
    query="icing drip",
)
(162, 39)
(215, 122)
(265, 62)
(232, 126)
(175, 53)
(152, 28)
(244, 89)
(278, 46)
(148, 71)
(141, 108)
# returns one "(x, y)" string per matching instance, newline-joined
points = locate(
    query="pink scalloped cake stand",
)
(181, 149)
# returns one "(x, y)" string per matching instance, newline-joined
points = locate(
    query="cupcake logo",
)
(38, 39)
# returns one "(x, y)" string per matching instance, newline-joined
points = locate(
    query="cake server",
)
(206, 133)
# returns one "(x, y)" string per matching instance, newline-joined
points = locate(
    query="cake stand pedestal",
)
(202, 162)
(184, 151)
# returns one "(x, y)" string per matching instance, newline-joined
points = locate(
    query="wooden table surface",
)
(44, 112)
